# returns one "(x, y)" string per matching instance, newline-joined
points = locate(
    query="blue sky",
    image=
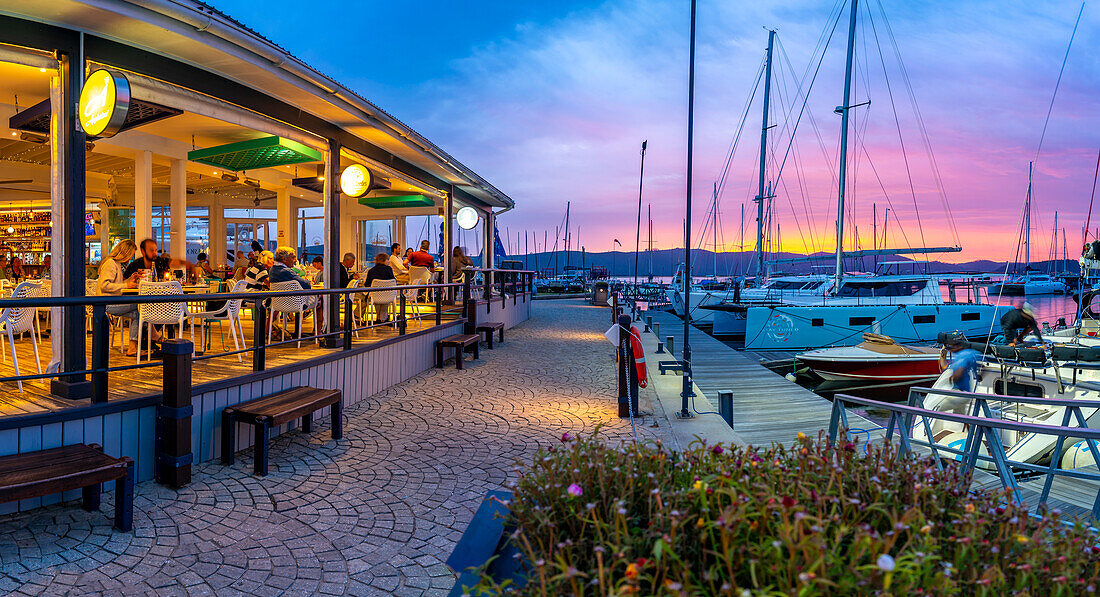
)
(550, 100)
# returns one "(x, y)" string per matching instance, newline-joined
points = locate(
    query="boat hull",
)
(907, 368)
(806, 327)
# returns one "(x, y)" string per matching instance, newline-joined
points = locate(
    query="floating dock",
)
(767, 407)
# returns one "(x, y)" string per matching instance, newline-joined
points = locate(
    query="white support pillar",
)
(448, 233)
(217, 235)
(143, 195)
(178, 192)
(400, 233)
(284, 219)
(57, 209)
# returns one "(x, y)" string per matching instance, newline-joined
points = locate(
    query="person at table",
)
(405, 261)
(347, 264)
(4, 268)
(240, 266)
(381, 271)
(318, 272)
(44, 271)
(459, 263)
(15, 269)
(256, 276)
(202, 268)
(397, 264)
(422, 258)
(283, 271)
(112, 281)
(158, 265)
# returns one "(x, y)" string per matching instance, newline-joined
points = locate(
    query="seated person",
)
(346, 265)
(397, 264)
(318, 272)
(202, 269)
(158, 265)
(283, 270)
(380, 271)
(256, 276)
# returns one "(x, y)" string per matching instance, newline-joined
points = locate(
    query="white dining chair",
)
(16, 321)
(419, 276)
(44, 290)
(385, 299)
(287, 305)
(150, 314)
(356, 303)
(229, 312)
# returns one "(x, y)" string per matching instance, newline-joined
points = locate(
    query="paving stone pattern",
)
(375, 514)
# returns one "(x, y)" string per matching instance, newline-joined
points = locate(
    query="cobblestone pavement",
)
(375, 514)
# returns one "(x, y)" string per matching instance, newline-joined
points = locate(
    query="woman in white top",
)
(111, 283)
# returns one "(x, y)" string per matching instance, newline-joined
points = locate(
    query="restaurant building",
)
(166, 119)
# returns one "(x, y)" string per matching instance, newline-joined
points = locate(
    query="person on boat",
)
(963, 362)
(1018, 322)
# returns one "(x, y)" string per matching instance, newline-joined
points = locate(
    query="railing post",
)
(349, 318)
(515, 286)
(401, 321)
(487, 282)
(467, 290)
(470, 327)
(173, 438)
(101, 329)
(259, 335)
(439, 305)
(614, 307)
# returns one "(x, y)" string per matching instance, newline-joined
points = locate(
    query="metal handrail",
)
(980, 429)
(1014, 399)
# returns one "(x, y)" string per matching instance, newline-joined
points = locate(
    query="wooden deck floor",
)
(36, 396)
(766, 406)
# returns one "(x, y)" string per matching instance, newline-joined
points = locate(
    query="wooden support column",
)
(332, 237)
(143, 196)
(178, 192)
(69, 164)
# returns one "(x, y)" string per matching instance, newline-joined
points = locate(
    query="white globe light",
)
(467, 218)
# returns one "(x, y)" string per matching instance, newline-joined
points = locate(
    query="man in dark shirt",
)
(346, 265)
(1018, 322)
(157, 265)
(283, 271)
(380, 271)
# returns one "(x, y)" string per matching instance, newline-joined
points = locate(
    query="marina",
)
(275, 316)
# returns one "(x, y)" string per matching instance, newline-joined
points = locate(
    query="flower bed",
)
(805, 519)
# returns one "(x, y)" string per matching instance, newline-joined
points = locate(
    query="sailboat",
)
(1030, 282)
(908, 308)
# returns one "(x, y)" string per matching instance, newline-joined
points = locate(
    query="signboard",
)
(355, 180)
(467, 218)
(104, 103)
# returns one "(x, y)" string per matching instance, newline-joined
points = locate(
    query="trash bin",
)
(601, 293)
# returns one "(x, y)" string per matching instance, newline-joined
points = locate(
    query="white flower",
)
(885, 563)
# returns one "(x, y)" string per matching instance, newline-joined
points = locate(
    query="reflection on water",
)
(1048, 307)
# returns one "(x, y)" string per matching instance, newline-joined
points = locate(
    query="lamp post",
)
(686, 393)
(638, 231)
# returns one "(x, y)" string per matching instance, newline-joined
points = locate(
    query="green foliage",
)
(804, 519)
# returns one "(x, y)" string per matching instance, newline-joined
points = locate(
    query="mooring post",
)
(648, 323)
(669, 344)
(725, 406)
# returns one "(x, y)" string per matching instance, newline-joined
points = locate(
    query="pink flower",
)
(575, 490)
(717, 449)
(566, 437)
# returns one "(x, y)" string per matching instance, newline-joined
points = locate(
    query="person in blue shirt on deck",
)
(963, 362)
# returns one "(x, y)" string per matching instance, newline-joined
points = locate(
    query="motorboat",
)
(729, 317)
(704, 292)
(1066, 371)
(908, 308)
(876, 359)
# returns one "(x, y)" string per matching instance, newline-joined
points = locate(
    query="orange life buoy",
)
(639, 355)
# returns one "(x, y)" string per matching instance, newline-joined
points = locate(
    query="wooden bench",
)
(274, 410)
(489, 327)
(459, 342)
(80, 466)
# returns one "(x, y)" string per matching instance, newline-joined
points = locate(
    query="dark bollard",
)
(173, 436)
(657, 329)
(648, 323)
(660, 347)
(628, 375)
(669, 343)
(725, 406)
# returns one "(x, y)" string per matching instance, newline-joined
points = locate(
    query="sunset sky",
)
(551, 100)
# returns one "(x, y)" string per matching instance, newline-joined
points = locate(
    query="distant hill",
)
(665, 261)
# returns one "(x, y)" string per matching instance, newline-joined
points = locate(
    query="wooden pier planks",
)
(766, 406)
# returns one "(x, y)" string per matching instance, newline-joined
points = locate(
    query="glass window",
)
(120, 225)
(882, 289)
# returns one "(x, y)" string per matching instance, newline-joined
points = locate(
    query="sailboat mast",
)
(566, 234)
(1027, 220)
(715, 222)
(844, 109)
(649, 216)
(763, 158)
